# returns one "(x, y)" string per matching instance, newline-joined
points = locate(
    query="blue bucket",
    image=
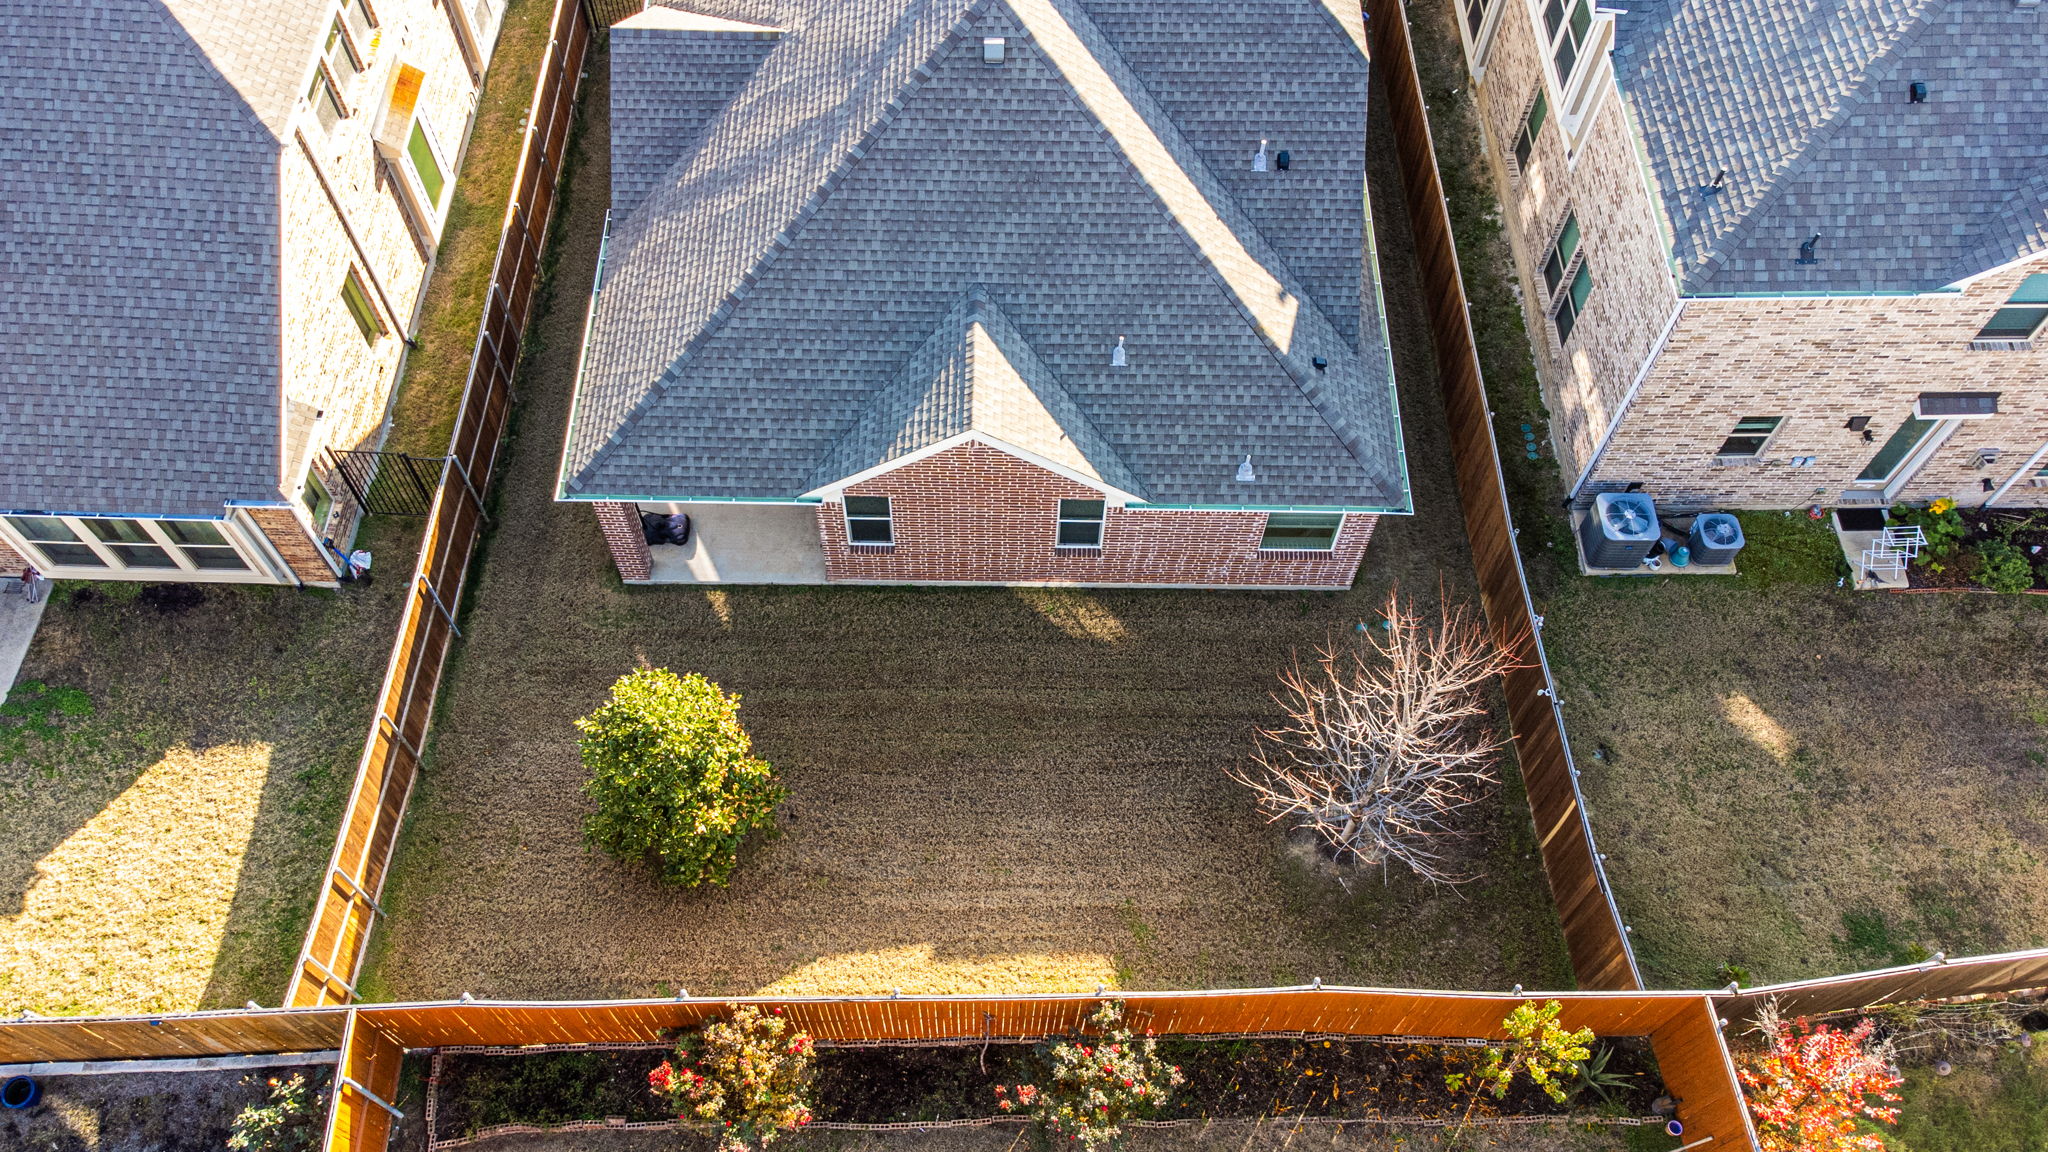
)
(1675, 1128)
(20, 1092)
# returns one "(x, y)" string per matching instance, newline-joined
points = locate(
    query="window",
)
(867, 520)
(2022, 315)
(1475, 18)
(318, 502)
(1080, 523)
(340, 55)
(56, 541)
(1568, 22)
(426, 164)
(1559, 262)
(1895, 451)
(1525, 144)
(326, 105)
(1301, 531)
(121, 543)
(359, 22)
(358, 302)
(1573, 304)
(203, 545)
(1750, 435)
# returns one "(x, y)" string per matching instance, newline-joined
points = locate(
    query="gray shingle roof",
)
(765, 294)
(139, 246)
(670, 77)
(1804, 103)
(976, 373)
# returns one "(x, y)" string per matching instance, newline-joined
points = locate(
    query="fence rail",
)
(1931, 980)
(347, 904)
(1593, 931)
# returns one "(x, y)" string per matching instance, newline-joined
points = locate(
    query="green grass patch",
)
(2001, 1106)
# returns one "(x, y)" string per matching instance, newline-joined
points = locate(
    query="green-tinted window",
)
(1896, 449)
(1080, 523)
(2032, 290)
(340, 54)
(1561, 254)
(1302, 531)
(868, 520)
(1573, 303)
(1569, 26)
(1525, 144)
(2013, 324)
(318, 502)
(1750, 435)
(131, 543)
(358, 302)
(424, 165)
(55, 540)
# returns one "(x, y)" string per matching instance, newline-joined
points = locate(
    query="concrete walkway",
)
(18, 620)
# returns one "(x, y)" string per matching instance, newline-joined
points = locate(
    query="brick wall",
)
(1596, 172)
(301, 552)
(976, 514)
(11, 562)
(620, 524)
(1817, 362)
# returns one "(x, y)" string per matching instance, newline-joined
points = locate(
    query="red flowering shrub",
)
(750, 1074)
(1812, 1083)
(1097, 1083)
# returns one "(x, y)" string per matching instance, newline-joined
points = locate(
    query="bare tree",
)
(1380, 747)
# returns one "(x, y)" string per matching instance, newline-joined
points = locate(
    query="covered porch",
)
(734, 543)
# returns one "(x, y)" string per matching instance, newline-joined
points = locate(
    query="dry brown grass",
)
(992, 790)
(1802, 780)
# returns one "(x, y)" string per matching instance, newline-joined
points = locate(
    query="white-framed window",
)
(868, 520)
(324, 100)
(1301, 531)
(483, 20)
(1080, 523)
(108, 545)
(342, 57)
(1476, 24)
(1569, 26)
(425, 164)
(1748, 439)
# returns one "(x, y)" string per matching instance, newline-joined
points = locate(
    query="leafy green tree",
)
(674, 777)
(1538, 1048)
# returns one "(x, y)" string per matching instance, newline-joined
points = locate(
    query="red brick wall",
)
(620, 524)
(300, 551)
(11, 562)
(980, 515)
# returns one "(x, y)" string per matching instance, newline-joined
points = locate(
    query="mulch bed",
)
(1225, 1079)
(2027, 531)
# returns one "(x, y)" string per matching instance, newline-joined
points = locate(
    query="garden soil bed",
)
(2026, 531)
(1228, 1079)
(142, 1112)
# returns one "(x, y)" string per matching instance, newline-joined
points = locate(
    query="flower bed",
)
(1242, 1078)
(1995, 549)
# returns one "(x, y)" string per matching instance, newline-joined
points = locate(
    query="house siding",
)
(976, 514)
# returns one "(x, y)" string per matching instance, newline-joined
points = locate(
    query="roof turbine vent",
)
(1118, 358)
(1245, 475)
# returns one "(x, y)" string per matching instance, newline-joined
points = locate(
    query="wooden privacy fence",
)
(347, 902)
(1681, 1027)
(1593, 931)
(1931, 980)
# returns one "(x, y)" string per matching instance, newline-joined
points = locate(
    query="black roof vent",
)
(1806, 255)
(1916, 92)
(1320, 363)
(1283, 159)
(1720, 182)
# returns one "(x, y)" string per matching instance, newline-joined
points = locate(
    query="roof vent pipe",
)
(1806, 255)
(1259, 160)
(1118, 358)
(1245, 475)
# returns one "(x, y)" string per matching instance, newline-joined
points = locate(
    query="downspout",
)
(1629, 398)
(2032, 463)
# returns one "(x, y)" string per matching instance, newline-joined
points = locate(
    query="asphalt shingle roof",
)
(1804, 104)
(761, 299)
(139, 248)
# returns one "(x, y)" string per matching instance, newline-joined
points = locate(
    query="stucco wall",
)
(977, 514)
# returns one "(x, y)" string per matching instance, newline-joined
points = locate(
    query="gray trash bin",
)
(1716, 538)
(1620, 530)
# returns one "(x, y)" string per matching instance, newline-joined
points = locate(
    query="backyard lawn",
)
(167, 805)
(991, 790)
(1787, 776)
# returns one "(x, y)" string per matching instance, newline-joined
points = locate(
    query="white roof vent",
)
(993, 49)
(1245, 475)
(1118, 358)
(1259, 160)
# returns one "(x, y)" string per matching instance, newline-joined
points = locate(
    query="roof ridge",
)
(1045, 21)
(1720, 248)
(781, 241)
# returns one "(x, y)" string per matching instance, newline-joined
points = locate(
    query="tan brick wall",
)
(11, 562)
(1817, 362)
(620, 524)
(301, 552)
(1600, 176)
(330, 368)
(977, 514)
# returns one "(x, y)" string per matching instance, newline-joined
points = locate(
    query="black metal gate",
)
(389, 483)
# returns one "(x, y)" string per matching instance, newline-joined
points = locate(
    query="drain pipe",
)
(2032, 463)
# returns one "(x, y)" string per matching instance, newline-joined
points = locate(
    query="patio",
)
(741, 544)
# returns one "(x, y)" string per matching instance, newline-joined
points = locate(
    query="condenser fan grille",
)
(1627, 520)
(1719, 532)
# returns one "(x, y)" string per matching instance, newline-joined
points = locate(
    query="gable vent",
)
(994, 49)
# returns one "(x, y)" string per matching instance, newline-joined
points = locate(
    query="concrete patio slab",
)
(18, 620)
(742, 544)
